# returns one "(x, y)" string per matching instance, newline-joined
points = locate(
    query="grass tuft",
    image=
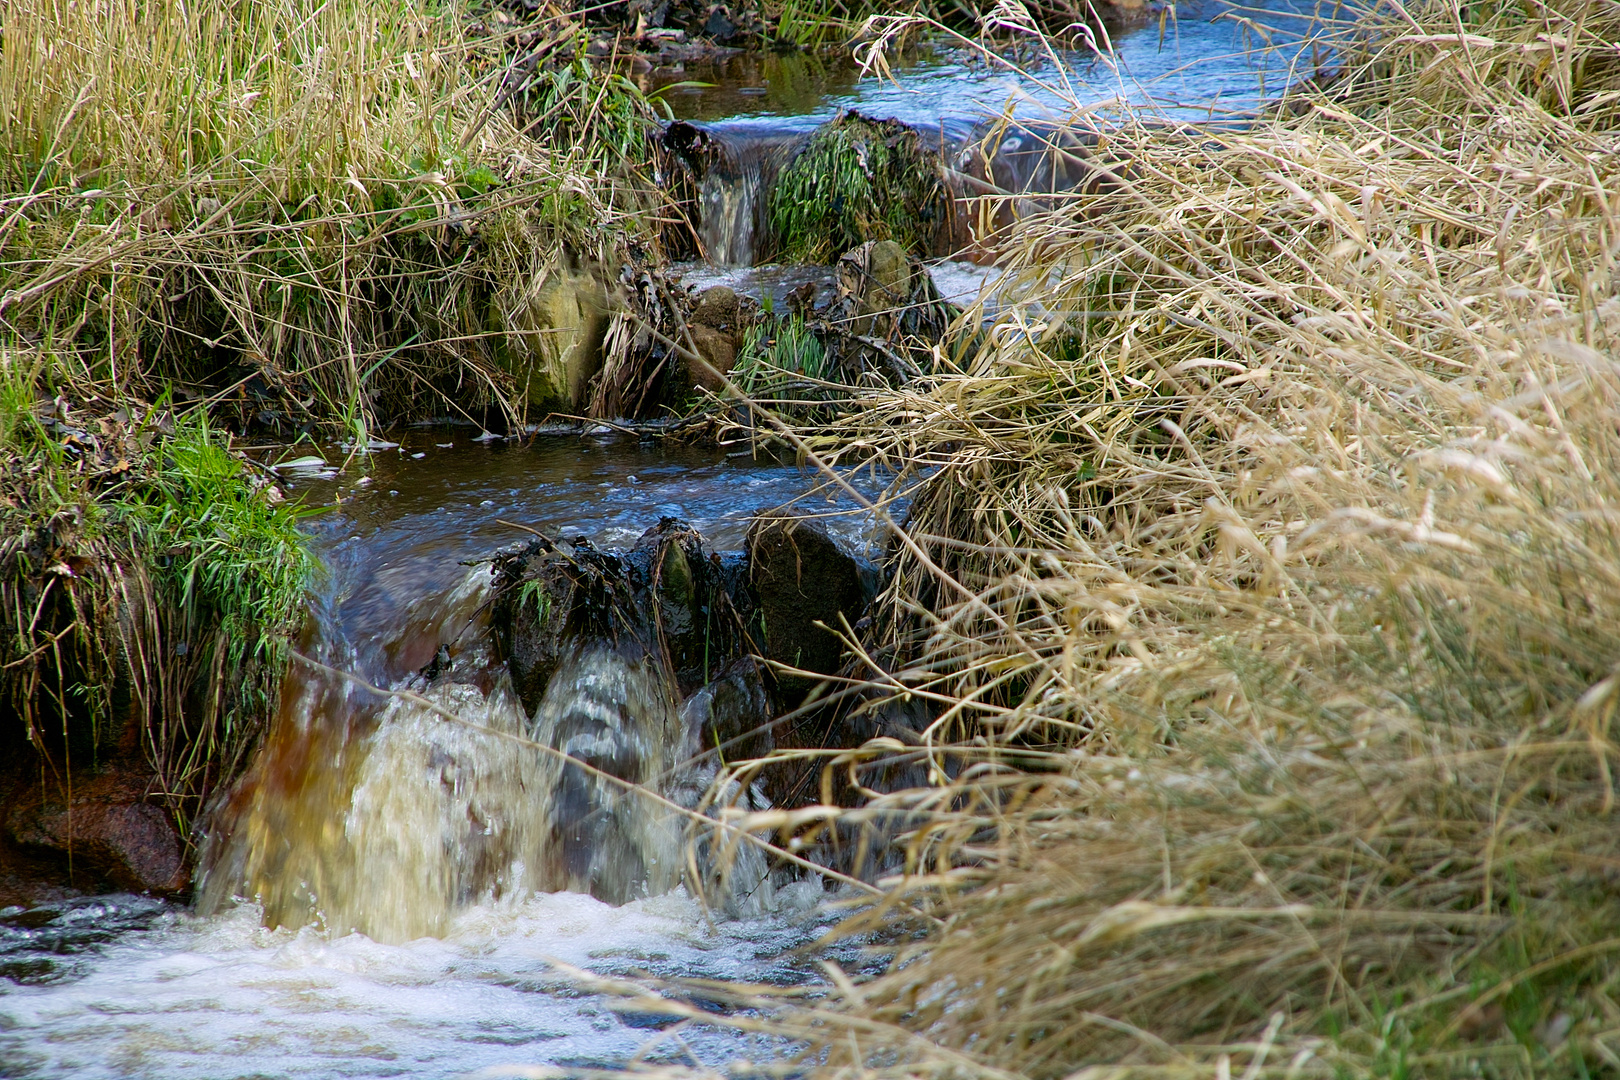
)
(148, 584)
(1270, 534)
(857, 179)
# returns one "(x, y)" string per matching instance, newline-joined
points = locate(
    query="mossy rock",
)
(857, 179)
(802, 577)
(554, 340)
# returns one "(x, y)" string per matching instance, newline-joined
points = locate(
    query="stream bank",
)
(365, 822)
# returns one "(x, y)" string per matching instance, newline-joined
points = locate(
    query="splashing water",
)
(387, 819)
(397, 868)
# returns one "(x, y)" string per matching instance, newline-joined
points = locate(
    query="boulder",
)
(801, 577)
(887, 315)
(131, 845)
(554, 339)
(717, 307)
(719, 357)
(716, 329)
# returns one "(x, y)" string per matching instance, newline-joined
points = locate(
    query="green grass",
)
(779, 355)
(856, 180)
(141, 563)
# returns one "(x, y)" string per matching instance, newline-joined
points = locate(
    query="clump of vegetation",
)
(148, 583)
(780, 356)
(315, 218)
(1277, 528)
(856, 180)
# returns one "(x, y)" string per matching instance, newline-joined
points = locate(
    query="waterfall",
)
(379, 815)
(733, 193)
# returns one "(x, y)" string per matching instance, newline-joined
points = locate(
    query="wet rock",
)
(715, 329)
(717, 307)
(719, 354)
(720, 26)
(534, 599)
(801, 577)
(681, 594)
(732, 713)
(554, 339)
(133, 846)
(887, 314)
(667, 595)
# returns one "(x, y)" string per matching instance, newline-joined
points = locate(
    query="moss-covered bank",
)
(148, 582)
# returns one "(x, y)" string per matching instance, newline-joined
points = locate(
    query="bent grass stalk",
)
(1279, 525)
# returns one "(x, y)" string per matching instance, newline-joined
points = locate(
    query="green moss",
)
(145, 578)
(856, 180)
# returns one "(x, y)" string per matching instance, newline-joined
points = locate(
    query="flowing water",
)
(1208, 60)
(379, 896)
(1205, 62)
(381, 891)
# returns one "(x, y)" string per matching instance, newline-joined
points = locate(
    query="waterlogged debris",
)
(486, 437)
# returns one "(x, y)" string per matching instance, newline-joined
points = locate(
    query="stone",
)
(555, 338)
(800, 577)
(714, 325)
(131, 845)
(732, 712)
(720, 26)
(717, 307)
(534, 598)
(719, 355)
(880, 277)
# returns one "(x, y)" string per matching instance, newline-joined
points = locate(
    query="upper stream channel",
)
(395, 920)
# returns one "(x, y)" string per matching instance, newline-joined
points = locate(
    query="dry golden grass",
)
(1281, 529)
(334, 205)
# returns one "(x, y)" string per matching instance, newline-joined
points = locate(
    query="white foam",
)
(222, 996)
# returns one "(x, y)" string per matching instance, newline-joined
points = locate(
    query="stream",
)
(373, 903)
(353, 958)
(1205, 62)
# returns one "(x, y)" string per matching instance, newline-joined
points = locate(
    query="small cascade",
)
(383, 815)
(732, 216)
(734, 170)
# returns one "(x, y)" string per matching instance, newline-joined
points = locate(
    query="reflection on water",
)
(1206, 59)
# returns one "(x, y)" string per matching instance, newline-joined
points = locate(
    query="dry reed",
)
(307, 212)
(1277, 527)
